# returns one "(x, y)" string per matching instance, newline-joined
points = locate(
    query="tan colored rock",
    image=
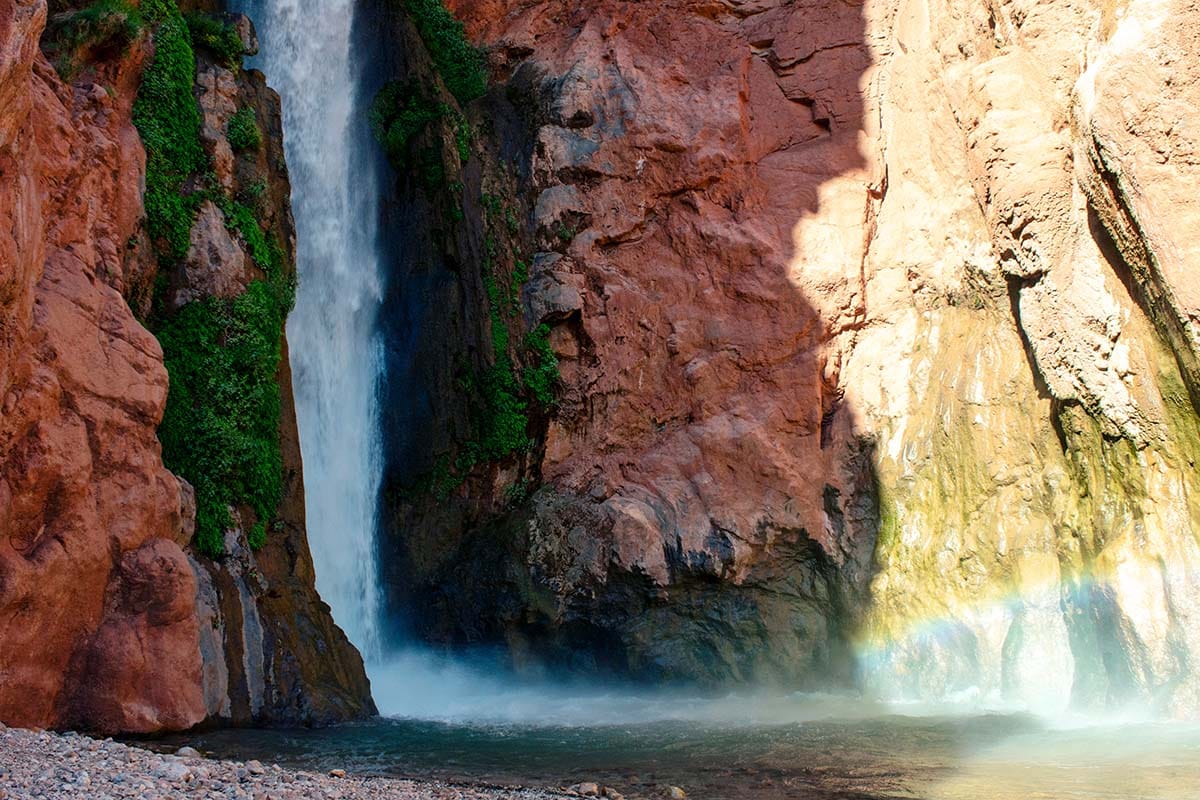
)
(1138, 155)
(217, 96)
(216, 265)
(860, 353)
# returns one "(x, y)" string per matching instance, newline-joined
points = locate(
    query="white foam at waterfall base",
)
(419, 684)
(307, 54)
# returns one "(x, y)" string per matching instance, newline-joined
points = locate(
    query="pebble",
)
(172, 771)
(45, 766)
(675, 793)
(586, 789)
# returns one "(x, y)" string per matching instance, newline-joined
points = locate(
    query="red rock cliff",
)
(108, 620)
(875, 343)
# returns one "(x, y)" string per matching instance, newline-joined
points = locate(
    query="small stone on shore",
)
(44, 766)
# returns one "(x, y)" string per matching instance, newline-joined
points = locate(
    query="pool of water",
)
(752, 747)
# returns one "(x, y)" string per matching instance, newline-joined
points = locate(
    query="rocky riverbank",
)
(48, 766)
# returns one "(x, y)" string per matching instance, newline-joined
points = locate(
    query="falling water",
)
(308, 57)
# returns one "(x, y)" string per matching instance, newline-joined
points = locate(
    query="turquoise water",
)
(712, 752)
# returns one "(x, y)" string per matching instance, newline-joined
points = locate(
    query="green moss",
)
(168, 119)
(400, 111)
(460, 63)
(504, 425)
(158, 10)
(221, 427)
(462, 138)
(243, 131)
(520, 277)
(430, 171)
(889, 526)
(220, 430)
(541, 376)
(218, 37)
(257, 537)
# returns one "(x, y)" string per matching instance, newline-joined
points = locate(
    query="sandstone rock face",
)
(877, 340)
(218, 102)
(215, 264)
(107, 622)
(85, 503)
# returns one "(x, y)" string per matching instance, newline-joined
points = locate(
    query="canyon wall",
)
(111, 617)
(876, 349)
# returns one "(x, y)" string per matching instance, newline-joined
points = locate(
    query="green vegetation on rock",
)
(462, 137)
(459, 62)
(167, 117)
(242, 131)
(220, 430)
(541, 376)
(503, 402)
(218, 37)
(400, 111)
(105, 26)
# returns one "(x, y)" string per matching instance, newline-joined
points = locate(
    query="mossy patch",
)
(220, 430)
(242, 131)
(221, 427)
(168, 119)
(459, 62)
(541, 376)
(218, 37)
(104, 28)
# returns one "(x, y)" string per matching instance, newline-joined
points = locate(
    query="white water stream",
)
(307, 53)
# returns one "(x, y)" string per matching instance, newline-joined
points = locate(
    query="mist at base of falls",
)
(462, 718)
(734, 747)
(464, 689)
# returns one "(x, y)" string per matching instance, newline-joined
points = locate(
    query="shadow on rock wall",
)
(707, 511)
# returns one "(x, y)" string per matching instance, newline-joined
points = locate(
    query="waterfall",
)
(307, 54)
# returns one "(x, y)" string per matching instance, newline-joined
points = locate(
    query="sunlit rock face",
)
(880, 354)
(108, 619)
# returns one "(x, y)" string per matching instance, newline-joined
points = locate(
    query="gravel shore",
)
(48, 766)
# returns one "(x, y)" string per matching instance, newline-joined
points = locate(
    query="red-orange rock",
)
(106, 621)
(884, 361)
(82, 485)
